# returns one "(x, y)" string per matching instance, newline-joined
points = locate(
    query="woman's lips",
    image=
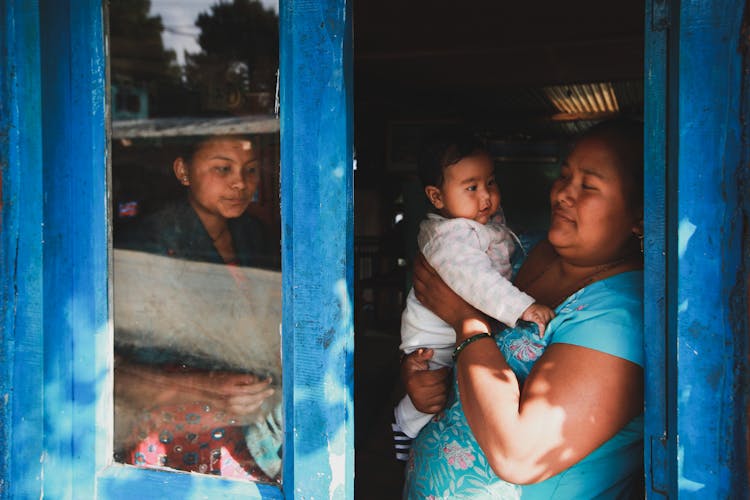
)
(561, 214)
(236, 201)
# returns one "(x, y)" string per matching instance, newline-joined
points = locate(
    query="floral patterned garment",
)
(194, 438)
(446, 461)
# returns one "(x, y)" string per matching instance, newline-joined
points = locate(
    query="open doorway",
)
(526, 79)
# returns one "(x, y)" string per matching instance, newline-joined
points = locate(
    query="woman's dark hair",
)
(625, 137)
(188, 148)
(443, 149)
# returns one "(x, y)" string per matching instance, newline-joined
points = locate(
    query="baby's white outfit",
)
(474, 260)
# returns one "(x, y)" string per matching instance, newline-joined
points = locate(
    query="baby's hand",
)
(417, 360)
(539, 314)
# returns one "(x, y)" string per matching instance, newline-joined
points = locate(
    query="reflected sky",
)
(178, 16)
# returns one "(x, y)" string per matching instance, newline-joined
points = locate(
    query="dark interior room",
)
(525, 77)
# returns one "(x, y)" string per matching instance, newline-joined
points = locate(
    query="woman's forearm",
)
(490, 398)
(562, 414)
(143, 387)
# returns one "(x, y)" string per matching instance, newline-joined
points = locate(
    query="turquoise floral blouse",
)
(446, 461)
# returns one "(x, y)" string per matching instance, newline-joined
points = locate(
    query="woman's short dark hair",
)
(188, 148)
(443, 149)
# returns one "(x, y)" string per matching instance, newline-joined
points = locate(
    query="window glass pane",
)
(196, 236)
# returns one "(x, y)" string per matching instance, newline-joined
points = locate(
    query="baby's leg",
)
(407, 420)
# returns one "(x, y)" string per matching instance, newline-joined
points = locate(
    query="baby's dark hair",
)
(443, 149)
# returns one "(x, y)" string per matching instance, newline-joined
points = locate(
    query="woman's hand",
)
(438, 297)
(143, 387)
(238, 395)
(427, 389)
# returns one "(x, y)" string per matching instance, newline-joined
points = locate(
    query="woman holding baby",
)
(559, 415)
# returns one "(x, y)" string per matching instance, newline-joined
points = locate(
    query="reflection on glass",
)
(197, 284)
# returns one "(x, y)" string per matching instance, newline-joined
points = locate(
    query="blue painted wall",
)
(696, 289)
(710, 335)
(21, 298)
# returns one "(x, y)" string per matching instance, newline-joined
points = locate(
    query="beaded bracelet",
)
(477, 336)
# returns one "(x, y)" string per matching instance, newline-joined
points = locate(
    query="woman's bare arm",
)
(564, 412)
(143, 387)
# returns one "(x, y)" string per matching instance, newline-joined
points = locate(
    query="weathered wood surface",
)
(177, 127)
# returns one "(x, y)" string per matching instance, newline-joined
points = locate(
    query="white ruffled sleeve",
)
(457, 248)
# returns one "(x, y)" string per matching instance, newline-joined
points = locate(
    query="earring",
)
(640, 240)
(185, 180)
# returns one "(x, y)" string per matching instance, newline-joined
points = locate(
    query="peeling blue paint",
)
(694, 250)
(684, 233)
(684, 483)
(21, 271)
(707, 85)
(316, 137)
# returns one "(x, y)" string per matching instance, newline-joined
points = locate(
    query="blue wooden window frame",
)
(21, 352)
(56, 351)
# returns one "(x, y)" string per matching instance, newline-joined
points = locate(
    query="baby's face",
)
(469, 190)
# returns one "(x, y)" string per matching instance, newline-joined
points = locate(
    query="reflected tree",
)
(234, 73)
(145, 75)
(236, 68)
(136, 48)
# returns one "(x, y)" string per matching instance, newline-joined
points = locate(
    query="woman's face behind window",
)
(222, 176)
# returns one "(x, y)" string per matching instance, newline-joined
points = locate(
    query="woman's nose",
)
(237, 181)
(565, 191)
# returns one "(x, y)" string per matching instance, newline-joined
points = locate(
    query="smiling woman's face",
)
(222, 177)
(593, 217)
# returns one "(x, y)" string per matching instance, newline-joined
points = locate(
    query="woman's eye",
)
(585, 184)
(250, 170)
(223, 169)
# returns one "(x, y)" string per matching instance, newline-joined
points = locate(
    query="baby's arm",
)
(457, 256)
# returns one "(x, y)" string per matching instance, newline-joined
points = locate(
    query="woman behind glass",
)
(196, 415)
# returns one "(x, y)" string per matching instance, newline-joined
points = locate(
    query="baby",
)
(467, 243)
